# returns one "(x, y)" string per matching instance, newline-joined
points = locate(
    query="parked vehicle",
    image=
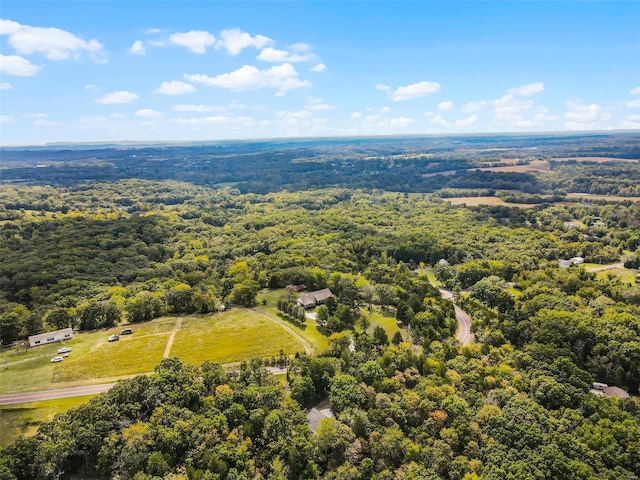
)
(114, 338)
(64, 350)
(126, 331)
(56, 359)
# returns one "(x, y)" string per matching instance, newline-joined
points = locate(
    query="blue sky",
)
(105, 71)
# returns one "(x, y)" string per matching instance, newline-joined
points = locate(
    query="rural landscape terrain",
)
(483, 320)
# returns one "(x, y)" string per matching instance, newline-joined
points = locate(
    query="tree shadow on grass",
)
(292, 321)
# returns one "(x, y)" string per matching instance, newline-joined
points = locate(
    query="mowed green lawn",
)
(233, 336)
(308, 330)
(25, 418)
(92, 357)
(131, 355)
(627, 276)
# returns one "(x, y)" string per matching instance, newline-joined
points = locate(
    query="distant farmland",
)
(594, 159)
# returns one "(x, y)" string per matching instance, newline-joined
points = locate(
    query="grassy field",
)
(308, 330)
(606, 198)
(25, 418)
(627, 276)
(378, 318)
(92, 357)
(595, 159)
(131, 355)
(232, 336)
(475, 201)
(535, 166)
(237, 335)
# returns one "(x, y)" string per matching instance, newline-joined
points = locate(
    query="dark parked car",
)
(126, 331)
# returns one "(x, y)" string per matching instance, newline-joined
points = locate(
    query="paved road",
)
(79, 391)
(53, 394)
(464, 335)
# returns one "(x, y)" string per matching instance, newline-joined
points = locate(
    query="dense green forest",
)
(513, 405)
(404, 164)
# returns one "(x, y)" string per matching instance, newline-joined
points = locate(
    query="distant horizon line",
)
(565, 133)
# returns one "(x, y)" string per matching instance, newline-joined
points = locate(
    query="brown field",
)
(535, 166)
(607, 198)
(446, 172)
(594, 159)
(475, 201)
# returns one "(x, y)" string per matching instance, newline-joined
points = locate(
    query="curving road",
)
(463, 335)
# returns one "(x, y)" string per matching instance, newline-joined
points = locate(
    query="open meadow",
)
(25, 418)
(233, 336)
(475, 201)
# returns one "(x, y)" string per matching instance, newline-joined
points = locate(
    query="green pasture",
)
(132, 354)
(25, 418)
(92, 357)
(232, 336)
(626, 275)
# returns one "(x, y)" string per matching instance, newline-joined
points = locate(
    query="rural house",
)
(50, 337)
(311, 299)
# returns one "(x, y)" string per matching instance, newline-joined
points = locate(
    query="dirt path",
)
(605, 267)
(308, 348)
(172, 336)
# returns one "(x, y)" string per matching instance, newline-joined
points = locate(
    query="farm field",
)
(24, 419)
(607, 198)
(594, 159)
(129, 356)
(535, 166)
(475, 201)
(232, 336)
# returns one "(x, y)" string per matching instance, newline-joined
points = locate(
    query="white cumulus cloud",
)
(528, 89)
(18, 66)
(274, 55)
(5, 119)
(438, 120)
(383, 87)
(215, 120)
(117, 97)
(409, 92)
(631, 121)
(635, 91)
(148, 113)
(471, 107)
(175, 87)
(319, 67)
(467, 122)
(445, 106)
(400, 122)
(5, 86)
(234, 40)
(281, 77)
(584, 117)
(195, 40)
(634, 103)
(138, 48)
(53, 43)
(581, 113)
(355, 115)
